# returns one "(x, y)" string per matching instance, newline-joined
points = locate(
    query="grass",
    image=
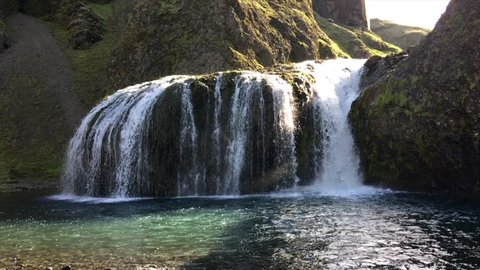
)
(33, 135)
(401, 35)
(357, 43)
(90, 66)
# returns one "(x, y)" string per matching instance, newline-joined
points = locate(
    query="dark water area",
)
(381, 230)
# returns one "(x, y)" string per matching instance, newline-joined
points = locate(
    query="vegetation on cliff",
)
(403, 36)
(356, 42)
(418, 125)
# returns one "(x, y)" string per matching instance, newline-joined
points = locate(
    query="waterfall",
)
(124, 149)
(337, 165)
(110, 143)
(217, 133)
(224, 134)
(191, 180)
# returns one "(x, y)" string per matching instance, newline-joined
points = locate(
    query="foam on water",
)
(93, 200)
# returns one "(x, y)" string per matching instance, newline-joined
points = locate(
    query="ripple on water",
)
(289, 230)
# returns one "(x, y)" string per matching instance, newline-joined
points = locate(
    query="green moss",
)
(390, 96)
(246, 61)
(103, 11)
(169, 6)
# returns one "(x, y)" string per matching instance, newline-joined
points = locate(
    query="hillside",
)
(403, 36)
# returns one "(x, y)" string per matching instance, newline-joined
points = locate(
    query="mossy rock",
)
(191, 37)
(416, 124)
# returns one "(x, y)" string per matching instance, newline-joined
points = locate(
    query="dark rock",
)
(67, 267)
(417, 126)
(377, 67)
(346, 12)
(84, 27)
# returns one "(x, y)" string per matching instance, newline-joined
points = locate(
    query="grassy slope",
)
(401, 35)
(90, 66)
(357, 43)
(27, 150)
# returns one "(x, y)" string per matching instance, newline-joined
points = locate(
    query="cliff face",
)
(178, 37)
(346, 12)
(418, 125)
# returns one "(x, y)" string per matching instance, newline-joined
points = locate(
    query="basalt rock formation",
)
(345, 12)
(418, 126)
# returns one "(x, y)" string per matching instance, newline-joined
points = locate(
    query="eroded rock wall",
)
(346, 12)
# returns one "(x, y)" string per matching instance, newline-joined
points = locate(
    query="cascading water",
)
(337, 166)
(115, 152)
(111, 139)
(228, 134)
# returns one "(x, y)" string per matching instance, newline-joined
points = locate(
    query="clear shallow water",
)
(376, 230)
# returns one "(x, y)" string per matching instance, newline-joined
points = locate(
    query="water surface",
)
(383, 230)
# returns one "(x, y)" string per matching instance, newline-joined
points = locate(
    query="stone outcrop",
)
(418, 125)
(345, 12)
(84, 27)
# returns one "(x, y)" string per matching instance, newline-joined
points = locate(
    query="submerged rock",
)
(417, 126)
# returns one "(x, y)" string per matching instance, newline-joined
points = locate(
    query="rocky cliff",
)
(418, 125)
(103, 44)
(345, 12)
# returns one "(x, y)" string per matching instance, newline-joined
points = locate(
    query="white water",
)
(217, 132)
(336, 87)
(190, 178)
(122, 116)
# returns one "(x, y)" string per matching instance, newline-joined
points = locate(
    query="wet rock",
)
(377, 67)
(418, 118)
